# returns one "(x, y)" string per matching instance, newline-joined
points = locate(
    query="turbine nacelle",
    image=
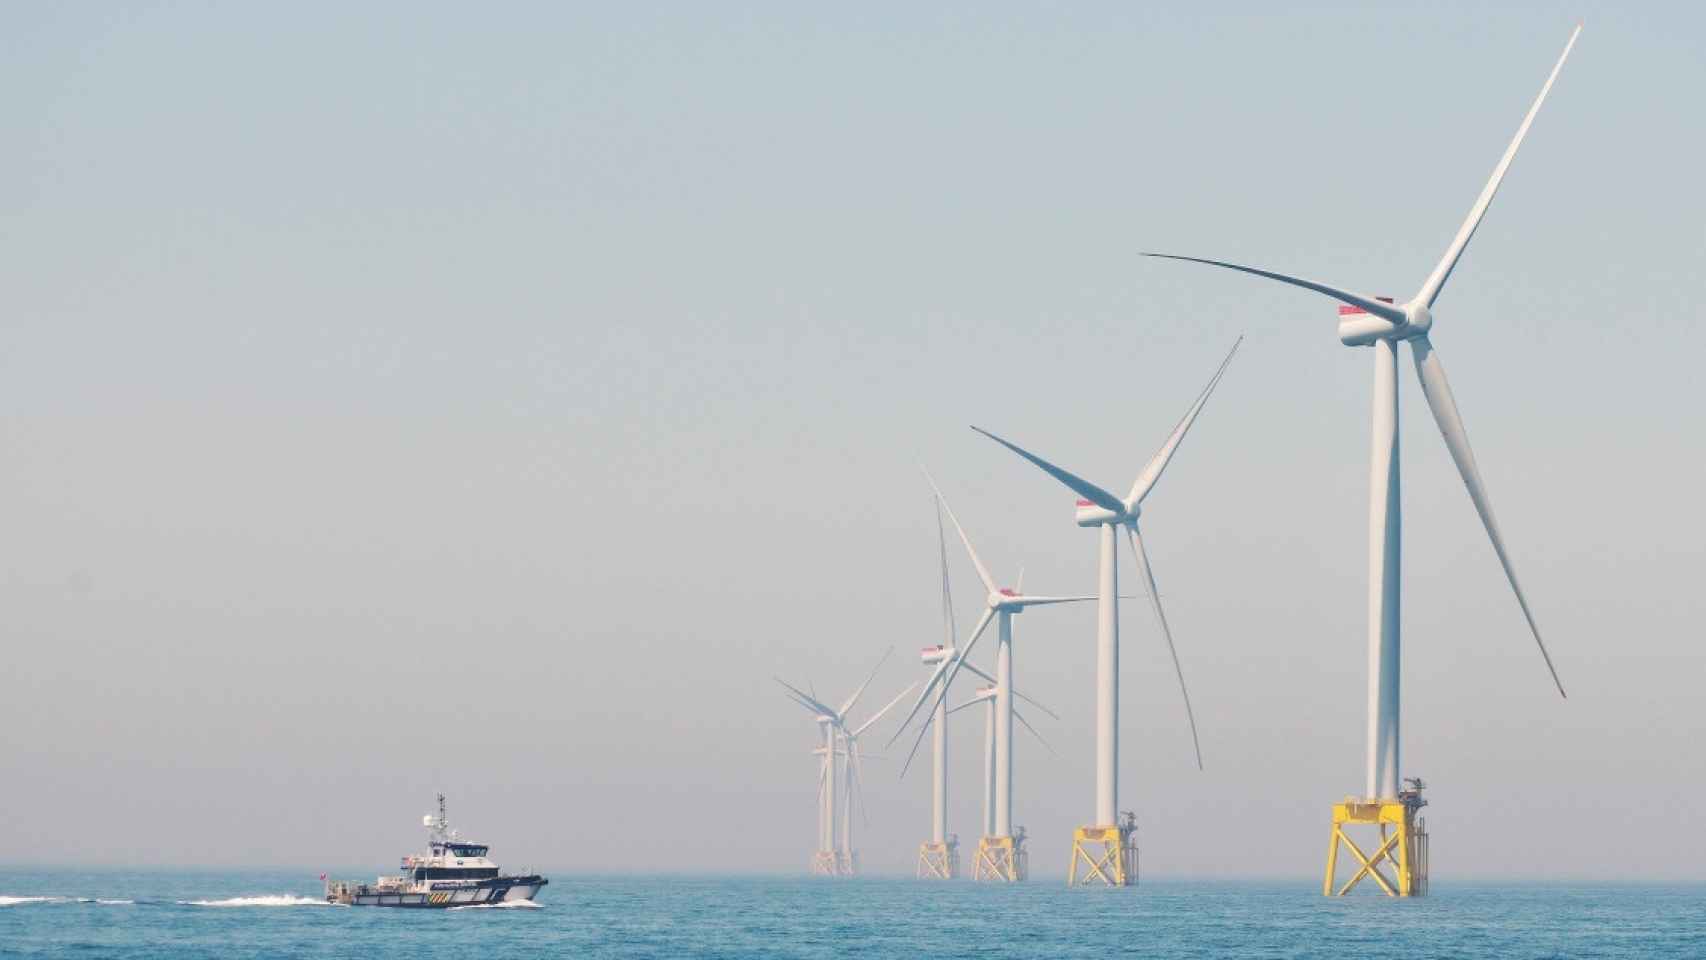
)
(937, 654)
(1093, 515)
(1359, 328)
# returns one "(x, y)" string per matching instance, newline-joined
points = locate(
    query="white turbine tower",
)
(831, 859)
(987, 868)
(997, 854)
(1379, 323)
(938, 857)
(1106, 847)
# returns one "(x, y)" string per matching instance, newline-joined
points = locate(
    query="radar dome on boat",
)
(426, 821)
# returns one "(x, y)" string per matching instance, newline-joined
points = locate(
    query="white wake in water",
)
(265, 900)
(505, 905)
(6, 901)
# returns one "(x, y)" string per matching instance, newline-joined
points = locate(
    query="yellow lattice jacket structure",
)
(939, 861)
(1108, 854)
(1002, 859)
(1403, 844)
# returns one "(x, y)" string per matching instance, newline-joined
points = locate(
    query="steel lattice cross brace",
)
(1403, 847)
(1000, 858)
(938, 861)
(1108, 854)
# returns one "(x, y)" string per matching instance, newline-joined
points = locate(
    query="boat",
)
(454, 873)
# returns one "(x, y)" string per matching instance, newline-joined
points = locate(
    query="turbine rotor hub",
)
(1418, 320)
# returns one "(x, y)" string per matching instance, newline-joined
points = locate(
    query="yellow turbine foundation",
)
(1402, 846)
(938, 861)
(1001, 858)
(1107, 855)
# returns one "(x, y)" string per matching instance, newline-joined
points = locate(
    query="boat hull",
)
(445, 895)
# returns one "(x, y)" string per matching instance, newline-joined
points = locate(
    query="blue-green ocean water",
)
(258, 914)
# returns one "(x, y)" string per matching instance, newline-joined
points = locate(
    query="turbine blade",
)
(1034, 732)
(886, 708)
(1444, 407)
(1379, 308)
(859, 692)
(1033, 701)
(856, 781)
(1045, 601)
(1019, 586)
(1016, 692)
(1079, 485)
(1436, 280)
(952, 629)
(914, 751)
(1142, 556)
(976, 561)
(930, 685)
(948, 680)
(1151, 473)
(805, 699)
(805, 704)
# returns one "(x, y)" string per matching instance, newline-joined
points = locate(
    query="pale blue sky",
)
(423, 397)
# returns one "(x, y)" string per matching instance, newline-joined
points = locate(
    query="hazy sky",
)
(491, 400)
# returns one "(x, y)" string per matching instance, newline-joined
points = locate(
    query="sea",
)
(225, 915)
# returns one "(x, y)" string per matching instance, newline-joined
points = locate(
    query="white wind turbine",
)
(833, 726)
(1100, 508)
(856, 778)
(1000, 604)
(1381, 324)
(988, 697)
(937, 856)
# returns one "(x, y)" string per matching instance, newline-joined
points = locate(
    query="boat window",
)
(468, 851)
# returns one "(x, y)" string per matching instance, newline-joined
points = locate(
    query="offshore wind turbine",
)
(856, 781)
(938, 857)
(998, 855)
(829, 859)
(1107, 847)
(986, 867)
(1380, 323)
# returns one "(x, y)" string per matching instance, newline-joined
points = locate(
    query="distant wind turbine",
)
(1000, 604)
(830, 859)
(1104, 844)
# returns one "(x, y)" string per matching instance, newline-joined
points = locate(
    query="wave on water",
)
(505, 905)
(265, 900)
